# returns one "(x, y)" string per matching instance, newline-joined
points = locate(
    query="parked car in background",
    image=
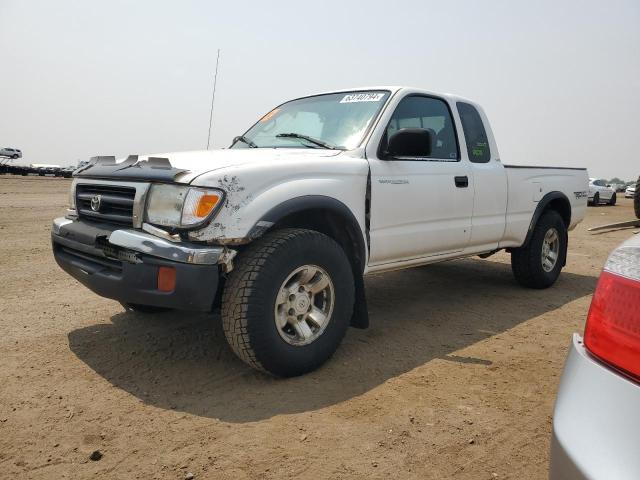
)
(599, 192)
(597, 419)
(10, 153)
(630, 192)
(67, 172)
(43, 169)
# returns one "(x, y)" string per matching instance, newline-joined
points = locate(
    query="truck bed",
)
(527, 185)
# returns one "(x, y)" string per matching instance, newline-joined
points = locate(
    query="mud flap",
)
(360, 317)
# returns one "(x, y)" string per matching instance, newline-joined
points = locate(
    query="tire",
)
(14, 156)
(250, 301)
(138, 308)
(596, 200)
(527, 261)
(636, 199)
(613, 199)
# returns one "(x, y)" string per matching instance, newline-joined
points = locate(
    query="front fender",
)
(309, 202)
(256, 198)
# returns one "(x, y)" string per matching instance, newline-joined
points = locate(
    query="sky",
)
(559, 80)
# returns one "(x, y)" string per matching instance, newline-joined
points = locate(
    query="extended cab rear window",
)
(474, 133)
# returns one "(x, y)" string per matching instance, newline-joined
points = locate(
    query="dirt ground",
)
(455, 378)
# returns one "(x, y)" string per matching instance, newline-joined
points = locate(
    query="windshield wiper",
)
(243, 139)
(315, 141)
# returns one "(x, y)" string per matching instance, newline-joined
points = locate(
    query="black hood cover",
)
(154, 169)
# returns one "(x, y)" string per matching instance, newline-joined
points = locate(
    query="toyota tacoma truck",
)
(279, 229)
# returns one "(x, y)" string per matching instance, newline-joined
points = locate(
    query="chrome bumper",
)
(147, 244)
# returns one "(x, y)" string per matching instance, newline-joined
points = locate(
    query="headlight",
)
(178, 206)
(72, 194)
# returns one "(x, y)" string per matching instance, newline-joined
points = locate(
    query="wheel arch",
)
(321, 213)
(556, 201)
(332, 218)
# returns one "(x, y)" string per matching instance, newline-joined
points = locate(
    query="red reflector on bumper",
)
(612, 332)
(166, 279)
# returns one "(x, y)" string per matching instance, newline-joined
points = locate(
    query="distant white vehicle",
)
(599, 192)
(43, 165)
(10, 153)
(630, 192)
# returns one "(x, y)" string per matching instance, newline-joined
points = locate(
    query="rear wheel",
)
(596, 200)
(613, 199)
(287, 304)
(538, 264)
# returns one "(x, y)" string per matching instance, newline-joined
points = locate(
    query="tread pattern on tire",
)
(240, 286)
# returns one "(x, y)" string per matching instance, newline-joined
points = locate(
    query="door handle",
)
(462, 182)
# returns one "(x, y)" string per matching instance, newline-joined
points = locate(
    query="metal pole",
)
(213, 97)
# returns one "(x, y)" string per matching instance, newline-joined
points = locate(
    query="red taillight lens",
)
(612, 332)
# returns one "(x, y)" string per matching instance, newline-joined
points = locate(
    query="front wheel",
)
(613, 199)
(596, 200)
(538, 264)
(287, 304)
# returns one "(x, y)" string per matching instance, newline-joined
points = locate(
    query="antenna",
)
(213, 98)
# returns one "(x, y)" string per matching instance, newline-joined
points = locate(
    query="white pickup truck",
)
(280, 228)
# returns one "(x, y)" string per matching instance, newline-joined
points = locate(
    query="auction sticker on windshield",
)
(362, 97)
(270, 115)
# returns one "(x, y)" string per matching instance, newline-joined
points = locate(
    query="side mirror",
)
(410, 142)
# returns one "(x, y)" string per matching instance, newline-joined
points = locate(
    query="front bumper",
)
(596, 421)
(123, 264)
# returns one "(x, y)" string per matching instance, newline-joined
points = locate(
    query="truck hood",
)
(198, 162)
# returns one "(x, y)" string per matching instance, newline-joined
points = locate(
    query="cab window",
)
(431, 114)
(474, 133)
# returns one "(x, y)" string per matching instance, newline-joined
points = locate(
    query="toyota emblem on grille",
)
(95, 203)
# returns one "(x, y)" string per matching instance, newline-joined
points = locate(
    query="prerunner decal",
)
(362, 97)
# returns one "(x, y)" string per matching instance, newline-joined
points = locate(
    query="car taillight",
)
(612, 332)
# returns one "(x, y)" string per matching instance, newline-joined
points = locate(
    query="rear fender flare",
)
(541, 208)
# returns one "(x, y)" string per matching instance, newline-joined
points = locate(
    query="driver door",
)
(421, 205)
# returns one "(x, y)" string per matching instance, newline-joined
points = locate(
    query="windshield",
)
(336, 120)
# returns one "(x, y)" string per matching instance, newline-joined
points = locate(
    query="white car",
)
(10, 153)
(630, 192)
(281, 227)
(600, 192)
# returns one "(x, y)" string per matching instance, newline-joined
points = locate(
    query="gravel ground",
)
(456, 376)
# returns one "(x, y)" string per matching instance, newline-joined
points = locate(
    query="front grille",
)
(115, 203)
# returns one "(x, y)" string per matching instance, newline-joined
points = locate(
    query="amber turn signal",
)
(206, 204)
(166, 279)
